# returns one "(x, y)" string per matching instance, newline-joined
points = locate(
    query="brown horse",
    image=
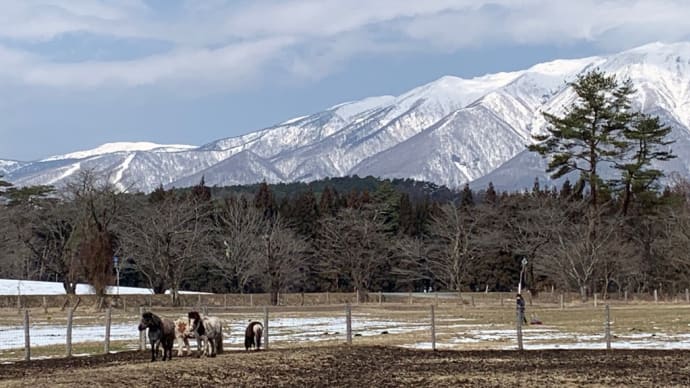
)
(161, 332)
(252, 336)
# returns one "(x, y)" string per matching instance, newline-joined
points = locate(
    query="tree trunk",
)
(583, 293)
(70, 287)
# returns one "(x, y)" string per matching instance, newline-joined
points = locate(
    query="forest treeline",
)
(614, 232)
(339, 240)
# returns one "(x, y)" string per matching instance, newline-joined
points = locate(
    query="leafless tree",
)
(15, 229)
(675, 241)
(241, 227)
(526, 224)
(97, 203)
(164, 239)
(457, 242)
(583, 243)
(411, 259)
(352, 244)
(283, 264)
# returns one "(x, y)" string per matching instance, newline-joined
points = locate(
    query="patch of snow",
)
(110, 148)
(34, 287)
(293, 120)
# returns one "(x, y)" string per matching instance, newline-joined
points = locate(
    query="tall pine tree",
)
(590, 132)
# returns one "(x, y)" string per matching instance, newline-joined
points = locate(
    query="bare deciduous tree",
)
(583, 243)
(352, 244)
(282, 265)
(457, 243)
(166, 238)
(240, 227)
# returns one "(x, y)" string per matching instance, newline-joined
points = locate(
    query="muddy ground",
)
(361, 366)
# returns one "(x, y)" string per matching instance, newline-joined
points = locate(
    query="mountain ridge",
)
(450, 131)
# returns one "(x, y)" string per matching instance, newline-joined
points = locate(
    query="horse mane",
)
(199, 323)
(155, 319)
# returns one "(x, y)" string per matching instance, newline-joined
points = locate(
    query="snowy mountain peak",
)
(110, 148)
(447, 131)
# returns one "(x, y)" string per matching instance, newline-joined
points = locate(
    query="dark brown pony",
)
(252, 336)
(161, 332)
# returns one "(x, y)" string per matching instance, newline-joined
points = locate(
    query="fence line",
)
(474, 299)
(41, 329)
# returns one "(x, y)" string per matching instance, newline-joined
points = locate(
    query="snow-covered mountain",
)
(450, 131)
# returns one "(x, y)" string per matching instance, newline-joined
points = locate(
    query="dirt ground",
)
(361, 366)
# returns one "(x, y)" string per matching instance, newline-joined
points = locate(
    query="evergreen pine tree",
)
(646, 142)
(491, 196)
(466, 197)
(590, 132)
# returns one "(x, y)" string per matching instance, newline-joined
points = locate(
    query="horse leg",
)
(187, 350)
(154, 350)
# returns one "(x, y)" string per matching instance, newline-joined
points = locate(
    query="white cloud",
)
(228, 65)
(226, 42)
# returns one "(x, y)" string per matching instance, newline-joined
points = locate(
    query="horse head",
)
(148, 319)
(196, 323)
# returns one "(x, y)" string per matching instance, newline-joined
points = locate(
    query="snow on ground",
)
(33, 287)
(325, 328)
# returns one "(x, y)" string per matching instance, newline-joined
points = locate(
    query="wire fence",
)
(433, 321)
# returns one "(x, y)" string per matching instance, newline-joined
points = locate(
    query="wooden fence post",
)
(142, 334)
(45, 306)
(251, 299)
(225, 301)
(205, 310)
(562, 302)
(380, 297)
(472, 299)
(409, 298)
(27, 339)
(687, 296)
(266, 327)
(328, 298)
(108, 321)
(608, 328)
(348, 323)
(68, 335)
(357, 296)
(436, 299)
(595, 299)
(433, 328)
(626, 296)
(656, 296)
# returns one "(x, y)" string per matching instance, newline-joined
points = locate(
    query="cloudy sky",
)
(75, 74)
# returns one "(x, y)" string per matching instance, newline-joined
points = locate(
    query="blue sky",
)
(75, 74)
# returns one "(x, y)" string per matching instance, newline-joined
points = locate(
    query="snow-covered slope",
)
(111, 148)
(449, 131)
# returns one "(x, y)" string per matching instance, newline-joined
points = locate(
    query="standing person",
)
(520, 306)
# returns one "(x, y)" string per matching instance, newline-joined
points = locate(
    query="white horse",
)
(208, 331)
